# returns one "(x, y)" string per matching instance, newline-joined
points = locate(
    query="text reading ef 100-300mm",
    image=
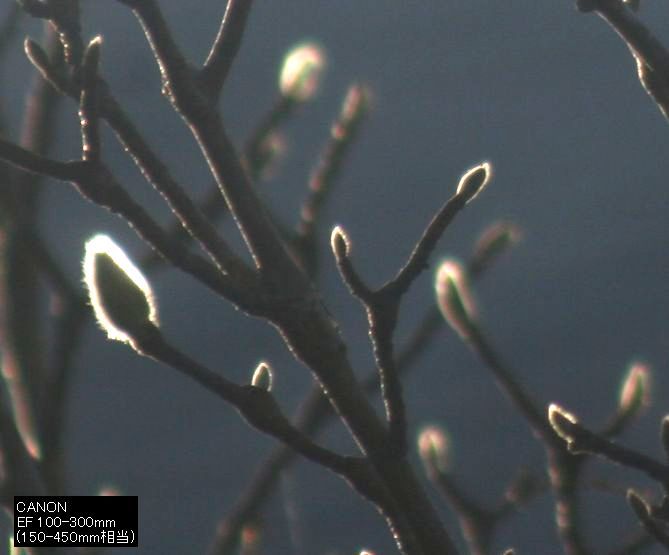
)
(84, 521)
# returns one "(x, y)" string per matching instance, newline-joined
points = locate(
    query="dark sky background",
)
(548, 95)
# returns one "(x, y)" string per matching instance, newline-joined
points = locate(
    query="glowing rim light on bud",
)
(263, 376)
(472, 183)
(433, 447)
(301, 71)
(103, 245)
(635, 389)
(454, 297)
(339, 241)
(559, 418)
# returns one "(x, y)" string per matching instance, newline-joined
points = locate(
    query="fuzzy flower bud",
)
(454, 297)
(493, 242)
(301, 72)
(474, 181)
(121, 296)
(434, 449)
(263, 376)
(635, 390)
(562, 421)
(340, 243)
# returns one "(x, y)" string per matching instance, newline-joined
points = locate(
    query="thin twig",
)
(23, 361)
(89, 103)
(564, 469)
(651, 56)
(315, 411)
(257, 405)
(343, 133)
(582, 440)
(153, 169)
(192, 102)
(97, 184)
(226, 45)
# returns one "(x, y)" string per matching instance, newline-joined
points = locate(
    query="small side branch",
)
(651, 56)
(383, 305)
(226, 45)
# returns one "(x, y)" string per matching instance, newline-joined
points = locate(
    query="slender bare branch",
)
(226, 45)
(651, 56)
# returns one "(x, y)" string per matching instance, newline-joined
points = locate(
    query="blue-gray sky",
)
(548, 95)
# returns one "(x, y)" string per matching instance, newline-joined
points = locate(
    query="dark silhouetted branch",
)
(224, 50)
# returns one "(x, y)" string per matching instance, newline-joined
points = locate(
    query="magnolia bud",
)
(632, 4)
(434, 448)
(340, 243)
(474, 181)
(454, 297)
(635, 390)
(494, 241)
(356, 104)
(263, 376)
(121, 297)
(561, 421)
(301, 72)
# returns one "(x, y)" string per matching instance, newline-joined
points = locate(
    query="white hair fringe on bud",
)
(115, 320)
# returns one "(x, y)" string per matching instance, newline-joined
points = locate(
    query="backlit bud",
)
(474, 181)
(494, 241)
(301, 72)
(121, 297)
(434, 448)
(635, 390)
(263, 377)
(341, 244)
(270, 153)
(356, 104)
(561, 421)
(454, 297)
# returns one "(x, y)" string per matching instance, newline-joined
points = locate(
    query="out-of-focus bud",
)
(301, 71)
(354, 108)
(524, 486)
(121, 296)
(474, 181)
(434, 449)
(263, 376)
(455, 298)
(634, 390)
(493, 242)
(251, 538)
(562, 422)
(269, 155)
